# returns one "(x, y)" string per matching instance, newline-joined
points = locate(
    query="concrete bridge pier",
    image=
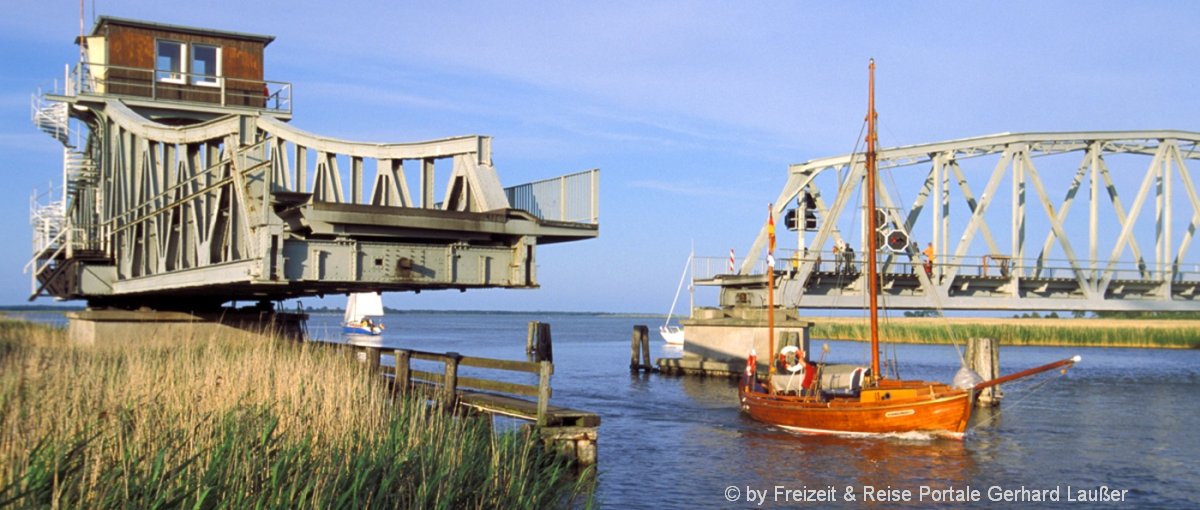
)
(718, 340)
(111, 326)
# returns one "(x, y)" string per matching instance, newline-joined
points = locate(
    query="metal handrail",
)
(90, 78)
(569, 198)
(708, 268)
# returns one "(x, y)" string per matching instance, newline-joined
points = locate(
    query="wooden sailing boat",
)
(865, 402)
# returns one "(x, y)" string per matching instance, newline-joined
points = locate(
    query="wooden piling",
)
(530, 340)
(983, 356)
(575, 443)
(640, 346)
(539, 345)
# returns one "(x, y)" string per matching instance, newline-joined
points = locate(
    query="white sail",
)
(363, 304)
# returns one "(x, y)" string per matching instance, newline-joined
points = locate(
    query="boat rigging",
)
(855, 400)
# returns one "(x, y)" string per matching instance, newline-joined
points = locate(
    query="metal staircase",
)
(51, 118)
(54, 236)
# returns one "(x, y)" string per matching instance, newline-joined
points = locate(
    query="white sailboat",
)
(673, 335)
(360, 308)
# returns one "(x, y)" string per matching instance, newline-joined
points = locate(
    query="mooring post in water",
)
(545, 343)
(983, 356)
(539, 346)
(450, 383)
(530, 341)
(640, 346)
(403, 356)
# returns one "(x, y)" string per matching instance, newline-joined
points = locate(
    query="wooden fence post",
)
(450, 383)
(373, 354)
(544, 372)
(403, 356)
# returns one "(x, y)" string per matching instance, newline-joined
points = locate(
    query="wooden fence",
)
(448, 386)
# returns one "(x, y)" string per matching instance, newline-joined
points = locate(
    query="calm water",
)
(1125, 419)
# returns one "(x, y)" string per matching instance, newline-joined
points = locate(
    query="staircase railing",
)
(50, 117)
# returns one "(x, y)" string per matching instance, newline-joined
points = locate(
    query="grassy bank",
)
(239, 423)
(1170, 334)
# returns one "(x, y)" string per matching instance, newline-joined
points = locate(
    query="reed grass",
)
(1170, 334)
(240, 422)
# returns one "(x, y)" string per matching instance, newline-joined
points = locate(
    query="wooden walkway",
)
(571, 431)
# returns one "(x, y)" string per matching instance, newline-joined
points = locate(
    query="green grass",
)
(244, 423)
(1171, 334)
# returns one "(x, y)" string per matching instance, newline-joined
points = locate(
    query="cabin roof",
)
(109, 20)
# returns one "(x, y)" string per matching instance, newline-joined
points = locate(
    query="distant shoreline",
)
(1049, 332)
(1091, 332)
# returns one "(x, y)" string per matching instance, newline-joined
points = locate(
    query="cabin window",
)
(169, 62)
(206, 64)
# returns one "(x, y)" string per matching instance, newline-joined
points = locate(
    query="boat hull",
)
(359, 330)
(671, 335)
(941, 414)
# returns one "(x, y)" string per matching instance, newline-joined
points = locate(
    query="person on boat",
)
(789, 357)
(848, 260)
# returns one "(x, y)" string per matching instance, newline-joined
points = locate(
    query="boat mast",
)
(872, 277)
(771, 295)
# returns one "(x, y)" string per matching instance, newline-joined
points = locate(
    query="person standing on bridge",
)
(929, 259)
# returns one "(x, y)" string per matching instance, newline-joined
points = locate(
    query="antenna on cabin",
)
(82, 51)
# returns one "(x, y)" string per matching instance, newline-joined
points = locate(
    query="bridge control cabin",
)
(148, 64)
(190, 188)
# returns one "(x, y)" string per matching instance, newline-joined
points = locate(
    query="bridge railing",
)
(990, 266)
(90, 78)
(571, 198)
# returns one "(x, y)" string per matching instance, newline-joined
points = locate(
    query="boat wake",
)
(908, 436)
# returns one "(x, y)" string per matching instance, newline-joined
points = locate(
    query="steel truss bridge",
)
(170, 205)
(1087, 221)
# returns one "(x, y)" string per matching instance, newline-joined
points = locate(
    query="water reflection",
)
(817, 461)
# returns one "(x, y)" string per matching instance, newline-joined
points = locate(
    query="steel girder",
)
(1092, 261)
(226, 209)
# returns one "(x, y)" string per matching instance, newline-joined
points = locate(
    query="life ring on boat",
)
(793, 359)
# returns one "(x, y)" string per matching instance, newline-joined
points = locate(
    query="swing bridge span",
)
(184, 191)
(1079, 221)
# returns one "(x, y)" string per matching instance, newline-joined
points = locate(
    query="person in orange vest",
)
(928, 259)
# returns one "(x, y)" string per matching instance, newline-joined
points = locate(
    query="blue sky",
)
(692, 110)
